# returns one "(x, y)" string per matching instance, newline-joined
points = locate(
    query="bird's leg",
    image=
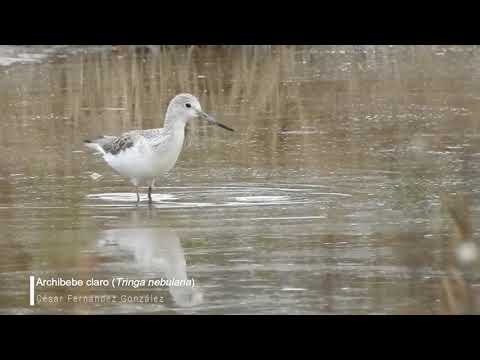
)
(135, 183)
(150, 191)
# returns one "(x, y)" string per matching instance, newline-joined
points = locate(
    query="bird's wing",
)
(156, 138)
(114, 144)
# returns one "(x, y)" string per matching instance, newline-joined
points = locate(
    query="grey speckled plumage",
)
(115, 144)
(144, 155)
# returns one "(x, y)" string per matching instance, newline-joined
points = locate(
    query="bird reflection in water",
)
(157, 251)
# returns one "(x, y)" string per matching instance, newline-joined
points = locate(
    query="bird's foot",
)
(150, 195)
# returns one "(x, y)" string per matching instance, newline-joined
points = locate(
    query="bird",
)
(142, 156)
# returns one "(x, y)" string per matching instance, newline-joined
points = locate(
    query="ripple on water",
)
(129, 197)
(261, 199)
(293, 289)
(187, 197)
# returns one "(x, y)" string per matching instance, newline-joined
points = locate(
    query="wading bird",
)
(144, 155)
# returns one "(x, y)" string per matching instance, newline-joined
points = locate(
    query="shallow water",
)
(348, 186)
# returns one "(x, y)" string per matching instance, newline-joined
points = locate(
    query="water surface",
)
(348, 187)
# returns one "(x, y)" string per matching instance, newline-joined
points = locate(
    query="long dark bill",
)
(212, 120)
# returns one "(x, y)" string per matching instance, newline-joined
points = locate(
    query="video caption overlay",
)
(115, 290)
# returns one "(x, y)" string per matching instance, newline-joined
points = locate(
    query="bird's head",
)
(186, 107)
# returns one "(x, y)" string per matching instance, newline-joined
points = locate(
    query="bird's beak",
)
(212, 120)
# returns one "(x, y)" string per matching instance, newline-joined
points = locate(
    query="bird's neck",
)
(175, 128)
(174, 124)
(175, 132)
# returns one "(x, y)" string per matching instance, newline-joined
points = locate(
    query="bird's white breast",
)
(145, 160)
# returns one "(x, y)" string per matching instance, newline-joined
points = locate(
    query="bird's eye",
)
(188, 105)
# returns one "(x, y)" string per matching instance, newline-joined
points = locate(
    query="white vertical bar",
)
(32, 290)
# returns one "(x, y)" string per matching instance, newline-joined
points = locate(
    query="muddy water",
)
(349, 185)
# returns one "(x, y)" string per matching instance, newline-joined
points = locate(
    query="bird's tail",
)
(95, 145)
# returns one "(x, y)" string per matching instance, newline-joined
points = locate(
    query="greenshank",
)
(144, 155)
